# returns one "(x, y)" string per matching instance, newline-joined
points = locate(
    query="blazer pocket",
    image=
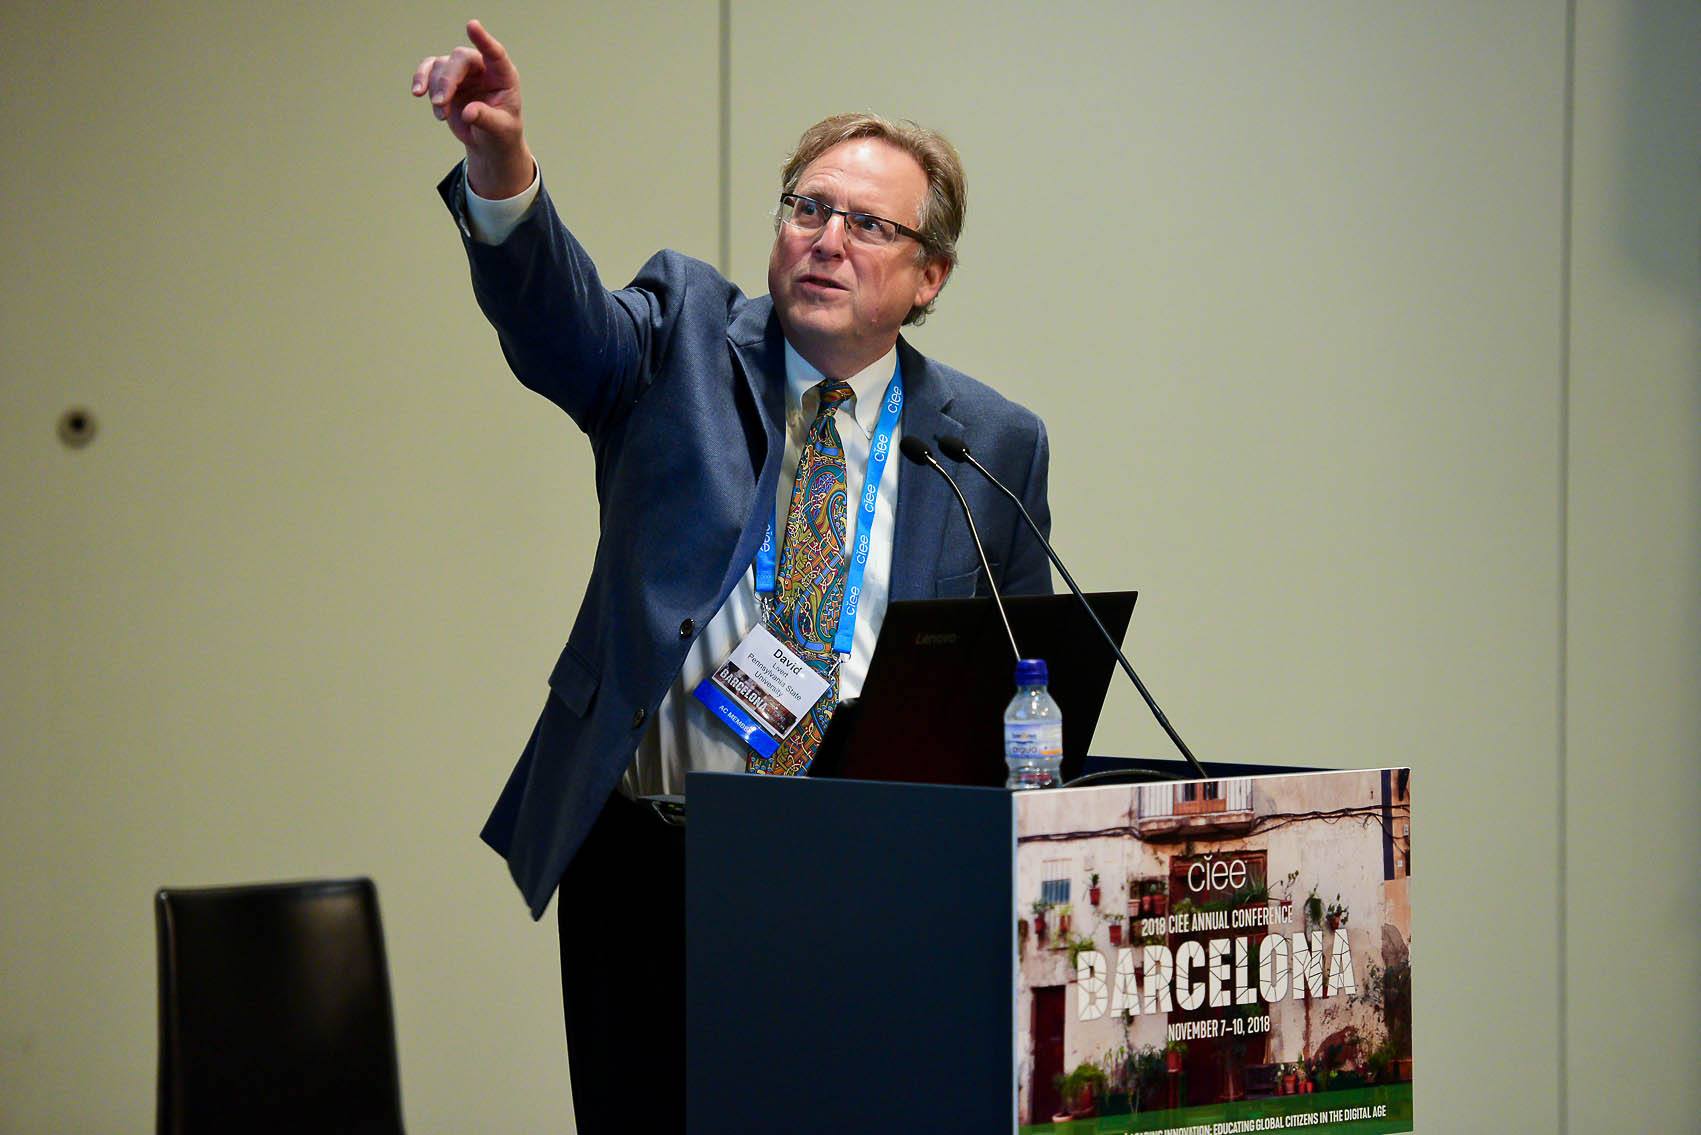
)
(574, 681)
(960, 586)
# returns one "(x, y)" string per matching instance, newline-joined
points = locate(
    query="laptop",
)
(932, 706)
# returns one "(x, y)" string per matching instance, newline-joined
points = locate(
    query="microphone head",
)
(953, 447)
(915, 449)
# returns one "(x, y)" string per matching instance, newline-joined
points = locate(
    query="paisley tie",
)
(809, 590)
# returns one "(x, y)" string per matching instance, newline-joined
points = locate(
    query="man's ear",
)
(933, 276)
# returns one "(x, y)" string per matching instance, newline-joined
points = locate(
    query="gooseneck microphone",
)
(954, 448)
(916, 450)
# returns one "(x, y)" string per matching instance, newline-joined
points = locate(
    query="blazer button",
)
(637, 717)
(687, 628)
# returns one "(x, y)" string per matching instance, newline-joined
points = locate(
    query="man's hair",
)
(941, 220)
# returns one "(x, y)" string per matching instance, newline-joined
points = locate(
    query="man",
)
(722, 426)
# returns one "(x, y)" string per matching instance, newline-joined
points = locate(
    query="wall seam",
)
(1567, 221)
(724, 96)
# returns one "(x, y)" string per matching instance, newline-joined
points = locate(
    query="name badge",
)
(761, 691)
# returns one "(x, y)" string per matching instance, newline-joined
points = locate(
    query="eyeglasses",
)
(805, 214)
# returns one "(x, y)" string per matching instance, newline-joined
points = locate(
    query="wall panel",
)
(293, 611)
(1632, 990)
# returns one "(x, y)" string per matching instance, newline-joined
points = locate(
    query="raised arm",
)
(476, 91)
(564, 335)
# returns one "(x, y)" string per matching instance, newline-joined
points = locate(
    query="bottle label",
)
(1033, 742)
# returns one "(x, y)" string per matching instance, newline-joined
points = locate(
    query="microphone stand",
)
(954, 448)
(916, 450)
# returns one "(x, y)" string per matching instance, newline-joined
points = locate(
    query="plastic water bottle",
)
(1033, 730)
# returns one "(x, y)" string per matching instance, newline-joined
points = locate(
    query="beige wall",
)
(1389, 343)
(292, 612)
(1633, 563)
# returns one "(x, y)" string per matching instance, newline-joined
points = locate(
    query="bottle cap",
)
(1031, 672)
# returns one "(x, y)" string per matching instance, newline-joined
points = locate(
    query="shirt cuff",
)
(490, 221)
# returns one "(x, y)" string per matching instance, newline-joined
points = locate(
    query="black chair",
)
(274, 1011)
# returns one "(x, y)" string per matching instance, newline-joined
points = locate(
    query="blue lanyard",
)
(879, 450)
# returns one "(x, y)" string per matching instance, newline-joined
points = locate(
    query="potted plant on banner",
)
(1079, 1091)
(1379, 1065)
(1076, 947)
(1145, 1074)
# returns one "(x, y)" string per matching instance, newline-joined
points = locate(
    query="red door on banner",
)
(1047, 1035)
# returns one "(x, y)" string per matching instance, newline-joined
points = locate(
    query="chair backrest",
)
(274, 1010)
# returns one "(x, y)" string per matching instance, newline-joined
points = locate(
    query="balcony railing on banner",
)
(1162, 801)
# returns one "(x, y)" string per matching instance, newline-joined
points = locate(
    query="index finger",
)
(495, 55)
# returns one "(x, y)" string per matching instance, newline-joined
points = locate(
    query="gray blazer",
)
(678, 380)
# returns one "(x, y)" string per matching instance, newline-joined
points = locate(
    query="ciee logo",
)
(1213, 874)
(882, 446)
(896, 401)
(861, 555)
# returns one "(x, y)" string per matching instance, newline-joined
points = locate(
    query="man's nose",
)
(830, 241)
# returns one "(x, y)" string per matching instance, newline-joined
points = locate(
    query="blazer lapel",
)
(925, 502)
(759, 349)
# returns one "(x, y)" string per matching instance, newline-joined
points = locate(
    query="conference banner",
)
(1214, 957)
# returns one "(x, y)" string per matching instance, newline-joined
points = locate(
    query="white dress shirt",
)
(683, 735)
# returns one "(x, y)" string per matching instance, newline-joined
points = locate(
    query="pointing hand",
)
(476, 91)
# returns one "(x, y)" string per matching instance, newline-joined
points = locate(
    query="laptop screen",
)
(932, 705)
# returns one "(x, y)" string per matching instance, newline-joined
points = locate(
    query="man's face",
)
(841, 302)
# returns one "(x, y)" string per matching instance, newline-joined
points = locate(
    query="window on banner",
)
(1054, 882)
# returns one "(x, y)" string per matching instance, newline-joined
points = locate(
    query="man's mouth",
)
(822, 283)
